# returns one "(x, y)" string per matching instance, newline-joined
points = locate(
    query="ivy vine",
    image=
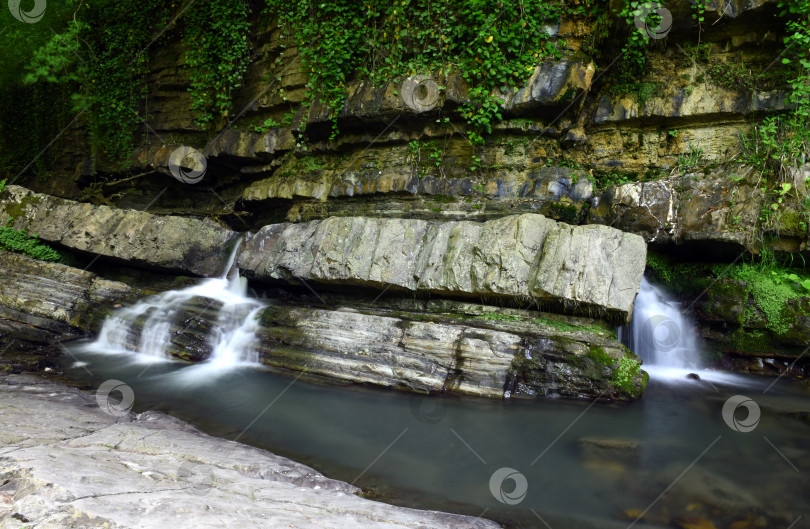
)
(218, 55)
(491, 43)
(102, 55)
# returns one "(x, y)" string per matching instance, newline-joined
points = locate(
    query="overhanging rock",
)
(574, 269)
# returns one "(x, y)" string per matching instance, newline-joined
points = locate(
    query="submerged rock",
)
(185, 245)
(571, 268)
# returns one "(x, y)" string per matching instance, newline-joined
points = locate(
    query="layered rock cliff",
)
(456, 347)
(401, 202)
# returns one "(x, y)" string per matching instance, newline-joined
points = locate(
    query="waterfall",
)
(149, 326)
(660, 333)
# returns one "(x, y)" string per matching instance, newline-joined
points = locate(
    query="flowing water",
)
(146, 327)
(678, 452)
(665, 337)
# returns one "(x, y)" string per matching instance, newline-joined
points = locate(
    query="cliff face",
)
(392, 157)
(658, 157)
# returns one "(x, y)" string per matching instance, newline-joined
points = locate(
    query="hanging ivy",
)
(492, 43)
(218, 55)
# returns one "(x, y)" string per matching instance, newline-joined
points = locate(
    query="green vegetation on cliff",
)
(780, 145)
(18, 241)
(771, 287)
(492, 44)
(91, 59)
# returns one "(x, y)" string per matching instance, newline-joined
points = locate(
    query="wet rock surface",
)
(463, 350)
(45, 302)
(437, 352)
(66, 463)
(712, 215)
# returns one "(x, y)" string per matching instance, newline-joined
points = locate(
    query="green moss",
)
(18, 209)
(563, 212)
(771, 295)
(642, 91)
(680, 277)
(748, 341)
(767, 290)
(792, 222)
(598, 354)
(495, 316)
(310, 163)
(18, 241)
(443, 199)
(568, 327)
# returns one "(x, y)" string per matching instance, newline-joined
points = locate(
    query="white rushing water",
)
(660, 333)
(666, 338)
(146, 328)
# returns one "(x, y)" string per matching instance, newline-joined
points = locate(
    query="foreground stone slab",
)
(65, 463)
(179, 244)
(593, 269)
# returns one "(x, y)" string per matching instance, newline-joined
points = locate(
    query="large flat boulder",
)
(179, 244)
(519, 257)
(93, 470)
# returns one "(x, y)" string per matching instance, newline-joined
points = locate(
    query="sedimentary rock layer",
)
(432, 353)
(180, 244)
(519, 354)
(42, 301)
(528, 257)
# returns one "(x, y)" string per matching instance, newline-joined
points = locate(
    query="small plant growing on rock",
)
(625, 373)
(690, 161)
(18, 241)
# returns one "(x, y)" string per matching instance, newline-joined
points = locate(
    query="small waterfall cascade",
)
(148, 326)
(660, 332)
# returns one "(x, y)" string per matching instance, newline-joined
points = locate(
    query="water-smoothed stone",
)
(573, 268)
(43, 302)
(93, 470)
(180, 244)
(435, 353)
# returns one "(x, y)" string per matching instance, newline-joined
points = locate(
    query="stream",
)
(680, 453)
